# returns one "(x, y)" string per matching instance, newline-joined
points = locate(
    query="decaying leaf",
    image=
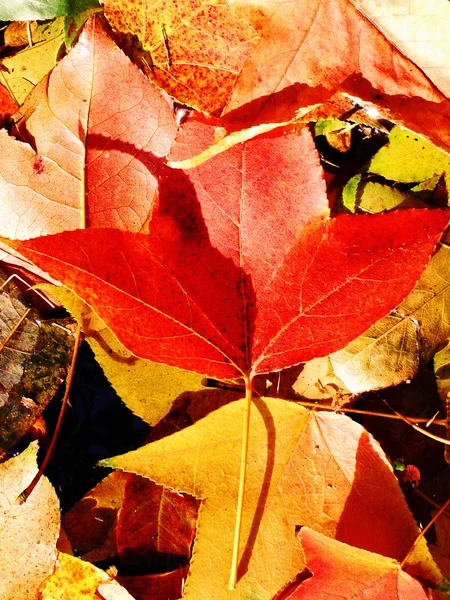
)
(304, 468)
(28, 531)
(159, 384)
(99, 129)
(35, 352)
(194, 49)
(357, 574)
(75, 578)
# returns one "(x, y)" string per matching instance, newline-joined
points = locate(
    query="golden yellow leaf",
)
(304, 469)
(147, 388)
(28, 531)
(77, 579)
(193, 49)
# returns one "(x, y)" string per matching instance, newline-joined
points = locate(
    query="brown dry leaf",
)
(28, 531)
(91, 523)
(193, 49)
(34, 356)
(19, 33)
(77, 579)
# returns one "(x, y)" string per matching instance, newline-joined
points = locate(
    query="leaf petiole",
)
(243, 470)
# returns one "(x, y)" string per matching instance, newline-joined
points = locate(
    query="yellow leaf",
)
(77, 579)
(303, 469)
(147, 388)
(28, 531)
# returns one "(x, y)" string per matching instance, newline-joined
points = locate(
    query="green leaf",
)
(374, 198)
(40, 10)
(323, 126)
(349, 193)
(408, 157)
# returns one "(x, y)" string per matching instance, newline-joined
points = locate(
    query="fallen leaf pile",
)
(243, 205)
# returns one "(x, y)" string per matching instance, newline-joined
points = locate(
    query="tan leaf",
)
(28, 531)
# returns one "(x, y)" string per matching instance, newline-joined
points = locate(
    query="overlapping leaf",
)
(390, 351)
(98, 127)
(304, 468)
(193, 49)
(311, 50)
(242, 272)
(355, 573)
(75, 578)
(159, 384)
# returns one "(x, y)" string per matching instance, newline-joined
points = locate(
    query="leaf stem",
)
(424, 530)
(27, 491)
(243, 470)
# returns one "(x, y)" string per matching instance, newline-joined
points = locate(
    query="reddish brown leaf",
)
(311, 49)
(242, 272)
(156, 526)
(162, 586)
(98, 127)
(342, 571)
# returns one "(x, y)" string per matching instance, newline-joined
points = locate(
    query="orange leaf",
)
(310, 50)
(342, 571)
(195, 49)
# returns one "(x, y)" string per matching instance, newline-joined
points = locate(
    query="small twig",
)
(430, 501)
(166, 45)
(419, 429)
(27, 491)
(424, 530)
(30, 39)
(370, 413)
